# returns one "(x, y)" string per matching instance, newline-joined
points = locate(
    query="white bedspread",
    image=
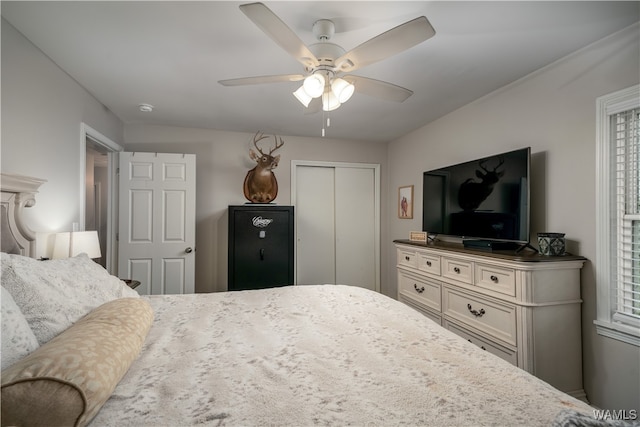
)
(318, 355)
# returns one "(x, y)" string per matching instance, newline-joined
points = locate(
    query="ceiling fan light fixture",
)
(302, 96)
(324, 61)
(342, 89)
(314, 85)
(330, 101)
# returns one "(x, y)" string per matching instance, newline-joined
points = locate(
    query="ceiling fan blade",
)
(262, 79)
(389, 43)
(379, 89)
(273, 26)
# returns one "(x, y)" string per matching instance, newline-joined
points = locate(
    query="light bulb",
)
(329, 101)
(342, 89)
(302, 96)
(314, 85)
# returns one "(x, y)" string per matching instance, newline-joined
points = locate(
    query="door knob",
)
(188, 250)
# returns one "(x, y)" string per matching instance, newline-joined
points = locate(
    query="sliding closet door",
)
(337, 223)
(315, 227)
(354, 227)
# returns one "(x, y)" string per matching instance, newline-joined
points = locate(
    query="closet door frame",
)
(376, 172)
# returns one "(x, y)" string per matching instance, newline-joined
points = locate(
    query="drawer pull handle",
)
(475, 312)
(407, 258)
(418, 290)
(494, 279)
(456, 269)
(428, 263)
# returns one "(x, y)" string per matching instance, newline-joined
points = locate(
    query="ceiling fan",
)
(325, 83)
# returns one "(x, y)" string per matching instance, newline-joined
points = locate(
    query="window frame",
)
(608, 322)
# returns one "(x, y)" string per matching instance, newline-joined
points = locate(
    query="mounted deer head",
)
(260, 184)
(471, 193)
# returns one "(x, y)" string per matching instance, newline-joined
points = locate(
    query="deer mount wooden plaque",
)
(260, 184)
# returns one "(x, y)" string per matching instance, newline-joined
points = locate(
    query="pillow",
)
(17, 338)
(53, 295)
(66, 381)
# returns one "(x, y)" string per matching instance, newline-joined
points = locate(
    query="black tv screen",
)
(486, 198)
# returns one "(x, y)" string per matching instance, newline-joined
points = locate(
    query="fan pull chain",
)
(328, 122)
(323, 122)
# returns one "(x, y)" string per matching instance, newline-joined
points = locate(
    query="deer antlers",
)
(482, 163)
(259, 136)
(260, 184)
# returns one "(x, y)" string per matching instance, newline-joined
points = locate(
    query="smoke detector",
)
(145, 108)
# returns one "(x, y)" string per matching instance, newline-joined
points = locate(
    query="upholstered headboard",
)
(18, 192)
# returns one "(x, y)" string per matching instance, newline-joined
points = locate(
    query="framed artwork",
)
(405, 202)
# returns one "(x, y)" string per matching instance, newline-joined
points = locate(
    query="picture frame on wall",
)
(405, 202)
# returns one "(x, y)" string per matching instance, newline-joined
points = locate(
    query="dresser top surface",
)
(526, 255)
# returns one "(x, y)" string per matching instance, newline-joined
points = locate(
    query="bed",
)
(91, 351)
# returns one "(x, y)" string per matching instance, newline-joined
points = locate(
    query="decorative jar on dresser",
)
(524, 308)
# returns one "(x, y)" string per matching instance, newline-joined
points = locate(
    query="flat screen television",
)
(484, 199)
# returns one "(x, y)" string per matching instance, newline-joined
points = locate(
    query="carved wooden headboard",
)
(18, 192)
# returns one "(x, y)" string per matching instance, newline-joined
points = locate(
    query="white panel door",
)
(315, 235)
(355, 225)
(337, 223)
(156, 238)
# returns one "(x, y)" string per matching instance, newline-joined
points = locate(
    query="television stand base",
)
(525, 246)
(490, 245)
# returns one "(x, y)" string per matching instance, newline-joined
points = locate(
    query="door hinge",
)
(117, 237)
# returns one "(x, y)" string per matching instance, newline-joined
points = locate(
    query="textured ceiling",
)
(172, 54)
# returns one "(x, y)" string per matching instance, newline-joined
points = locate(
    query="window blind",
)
(625, 226)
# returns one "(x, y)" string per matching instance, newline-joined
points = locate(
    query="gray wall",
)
(42, 110)
(222, 161)
(553, 112)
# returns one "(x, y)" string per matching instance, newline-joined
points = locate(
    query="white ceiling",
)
(172, 54)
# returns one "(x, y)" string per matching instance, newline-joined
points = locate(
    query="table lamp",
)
(70, 244)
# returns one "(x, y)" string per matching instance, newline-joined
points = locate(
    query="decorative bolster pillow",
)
(67, 380)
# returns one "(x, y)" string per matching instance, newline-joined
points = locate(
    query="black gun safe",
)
(260, 246)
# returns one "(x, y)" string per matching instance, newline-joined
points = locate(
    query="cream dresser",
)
(524, 308)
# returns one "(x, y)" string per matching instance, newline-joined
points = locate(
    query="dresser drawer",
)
(420, 289)
(457, 269)
(407, 258)
(505, 353)
(497, 279)
(429, 263)
(495, 319)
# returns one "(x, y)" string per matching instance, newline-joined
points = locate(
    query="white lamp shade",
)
(71, 244)
(342, 89)
(85, 242)
(61, 245)
(302, 96)
(329, 101)
(314, 85)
